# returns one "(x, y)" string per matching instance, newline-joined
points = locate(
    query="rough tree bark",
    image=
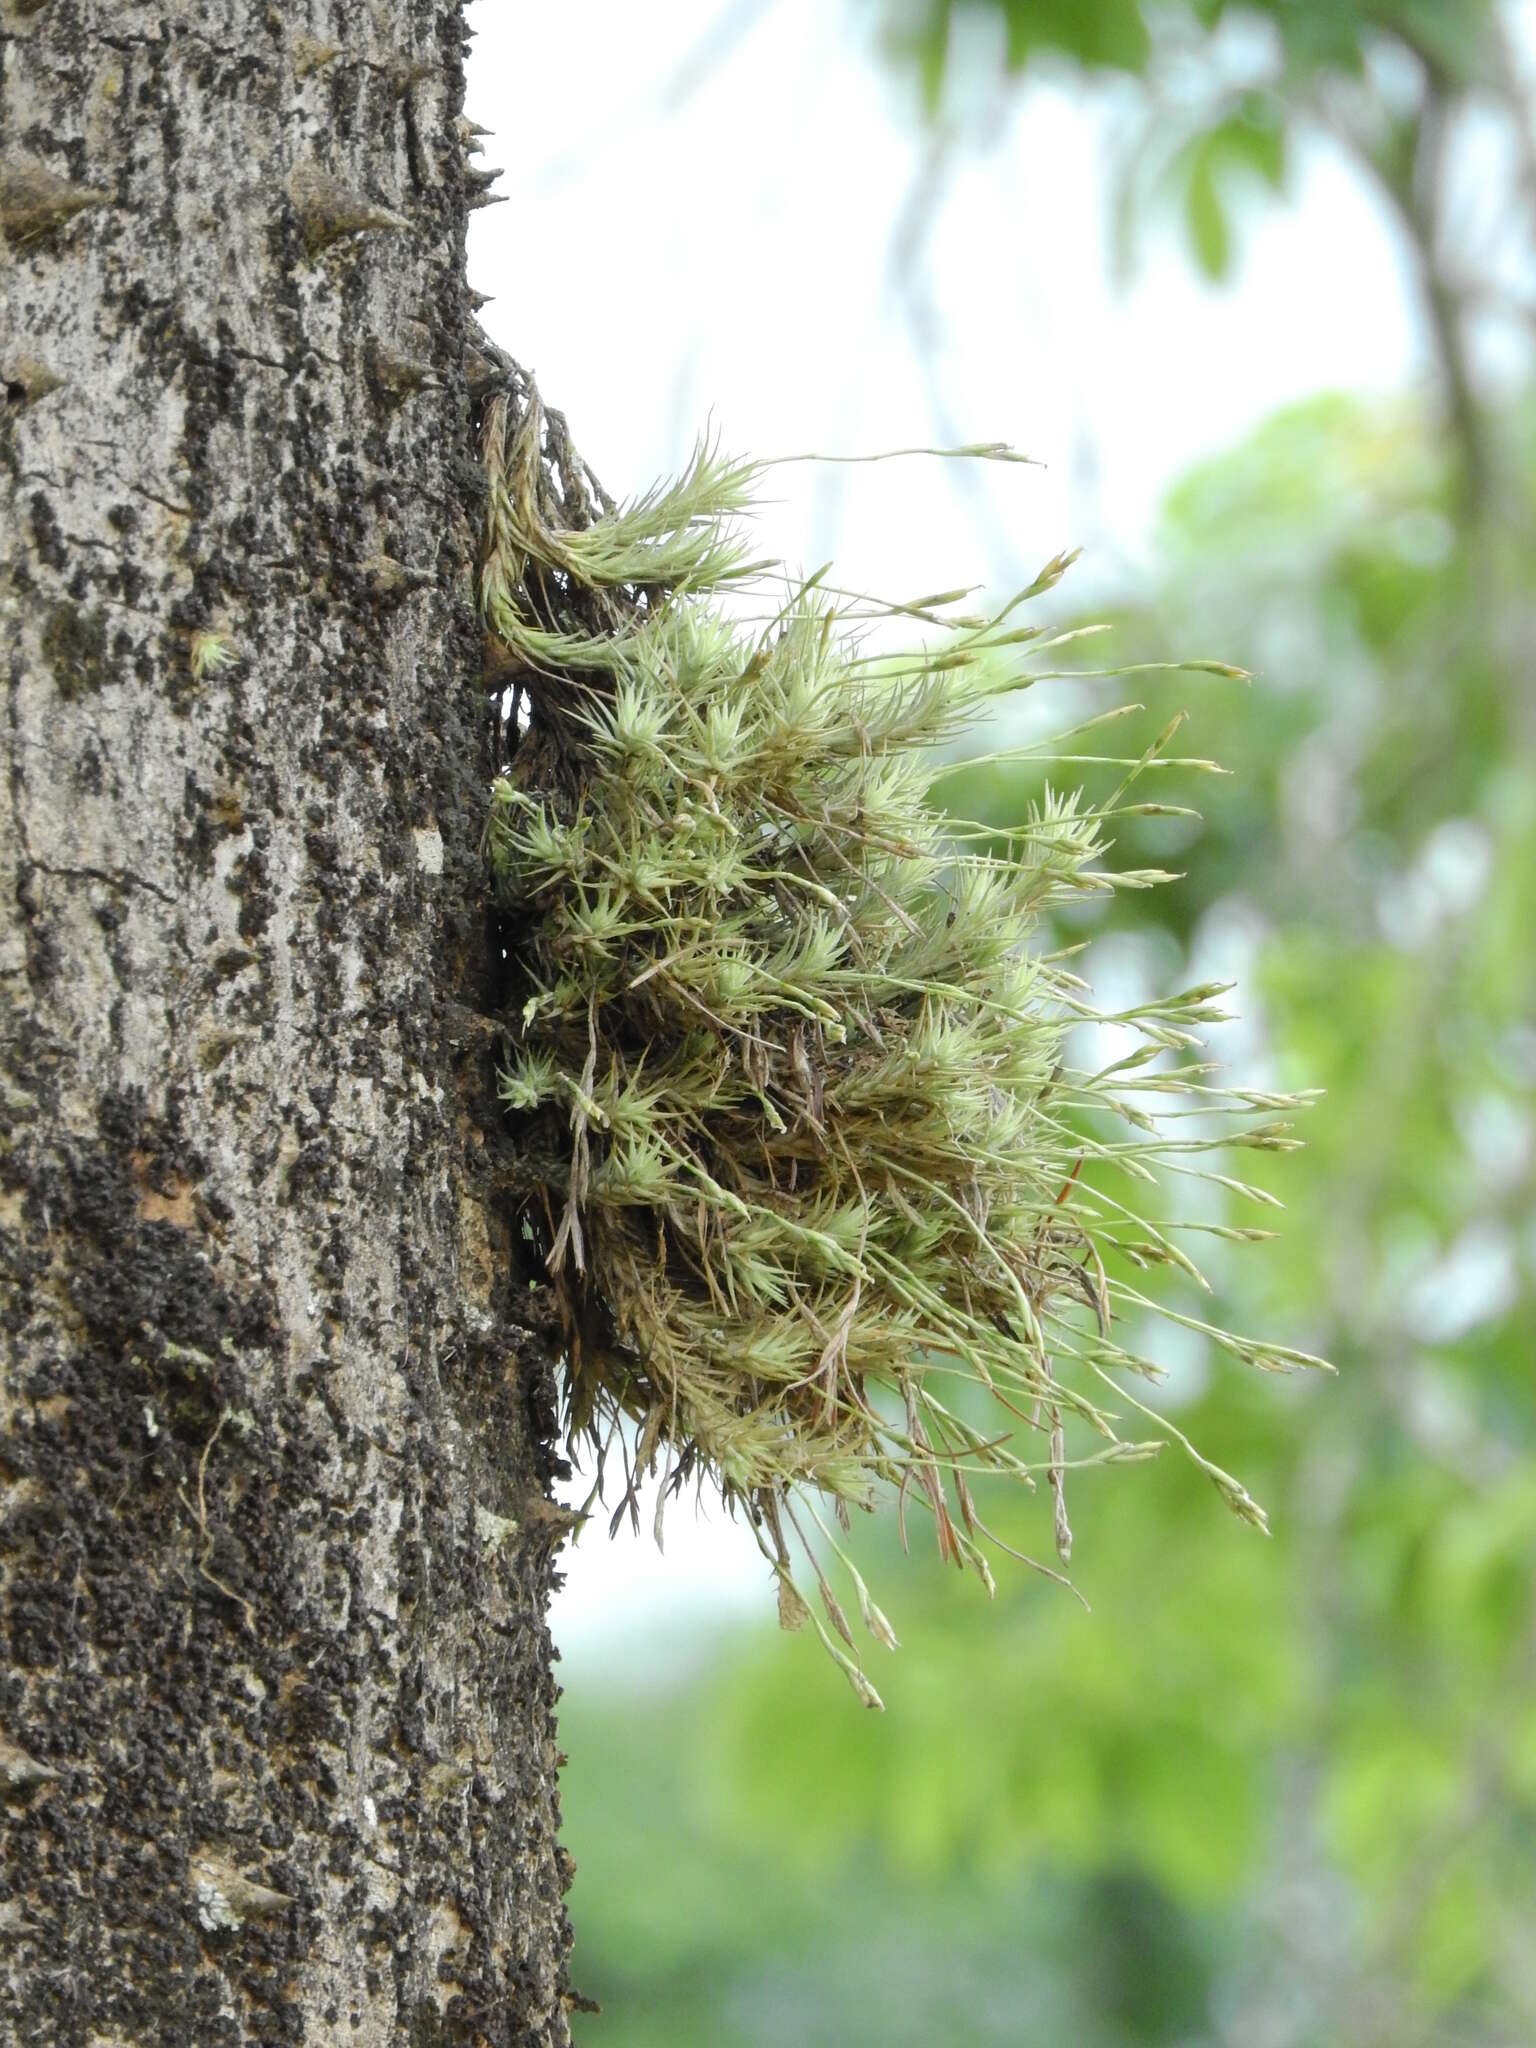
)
(276, 1714)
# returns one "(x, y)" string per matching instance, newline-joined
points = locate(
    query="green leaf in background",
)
(1112, 35)
(1457, 36)
(1205, 215)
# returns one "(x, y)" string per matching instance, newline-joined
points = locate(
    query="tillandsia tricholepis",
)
(828, 1207)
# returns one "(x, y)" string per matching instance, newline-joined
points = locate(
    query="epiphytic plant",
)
(792, 1057)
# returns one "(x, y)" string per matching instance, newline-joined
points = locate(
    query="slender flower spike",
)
(830, 1212)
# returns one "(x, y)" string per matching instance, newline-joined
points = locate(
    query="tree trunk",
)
(276, 1712)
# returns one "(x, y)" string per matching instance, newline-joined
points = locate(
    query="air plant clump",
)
(212, 652)
(792, 1055)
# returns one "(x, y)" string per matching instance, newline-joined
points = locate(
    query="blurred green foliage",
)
(1274, 1793)
(1264, 67)
(1431, 102)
